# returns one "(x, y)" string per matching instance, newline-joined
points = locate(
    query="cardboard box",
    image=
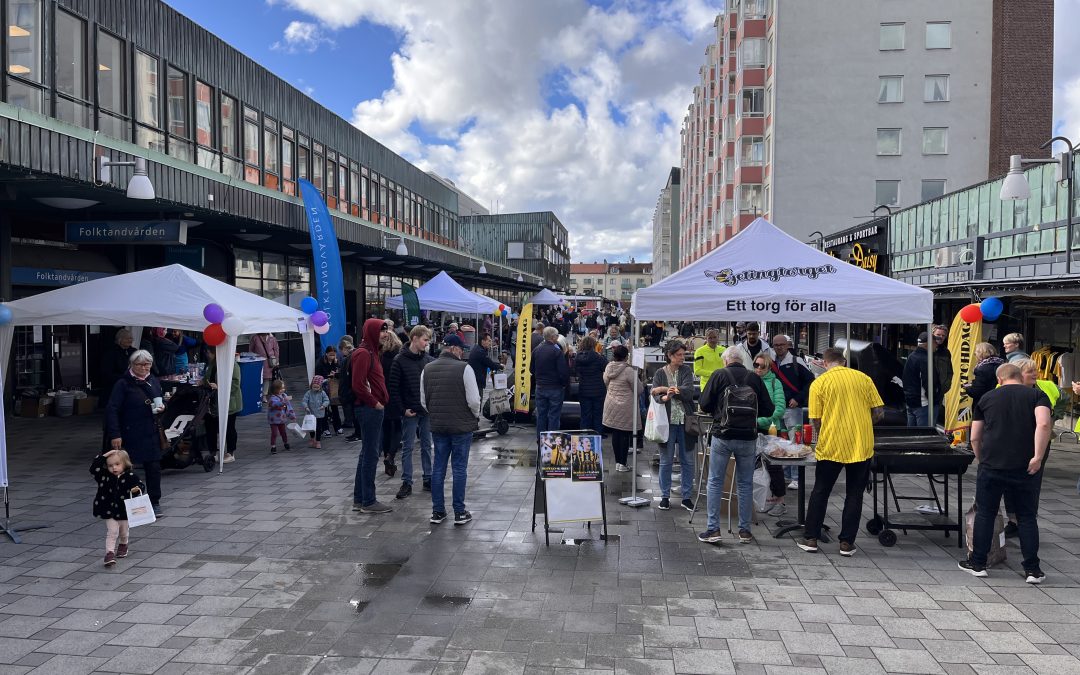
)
(33, 406)
(86, 406)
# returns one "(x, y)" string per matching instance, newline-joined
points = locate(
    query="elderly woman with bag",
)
(619, 404)
(131, 421)
(673, 386)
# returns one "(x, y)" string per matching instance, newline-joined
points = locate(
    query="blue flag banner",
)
(326, 268)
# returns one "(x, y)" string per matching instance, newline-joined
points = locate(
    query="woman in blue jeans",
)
(673, 385)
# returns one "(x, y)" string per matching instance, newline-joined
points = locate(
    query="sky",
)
(573, 106)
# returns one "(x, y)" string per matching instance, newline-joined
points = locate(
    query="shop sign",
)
(127, 232)
(38, 276)
(864, 257)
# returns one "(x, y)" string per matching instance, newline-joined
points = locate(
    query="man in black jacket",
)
(738, 397)
(404, 381)
(551, 373)
(916, 391)
(792, 372)
(480, 361)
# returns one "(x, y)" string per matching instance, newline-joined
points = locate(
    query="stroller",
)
(181, 423)
(498, 407)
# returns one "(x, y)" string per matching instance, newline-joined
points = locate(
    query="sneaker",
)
(287, 448)
(389, 467)
(688, 504)
(158, 511)
(794, 485)
(462, 518)
(404, 491)
(438, 516)
(311, 443)
(972, 569)
(809, 545)
(847, 550)
(228, 458)
(273, 450)
(778, 509)
(1011, 529)
(745, 537)
(357, 507)
(352, 438)
(110, 559)
(1034, 576)
(122, 551)
(427, 485)
(710, 537)
(340, 432)
(327, 434)
(621, 468)
(376, 507)
(664, 504)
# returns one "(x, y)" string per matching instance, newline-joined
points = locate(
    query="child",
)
(316, 402)
(279, 412)
(116, 482)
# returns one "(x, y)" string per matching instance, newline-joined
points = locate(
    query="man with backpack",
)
(735, 397)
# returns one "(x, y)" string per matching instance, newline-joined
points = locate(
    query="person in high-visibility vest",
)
(708, 357)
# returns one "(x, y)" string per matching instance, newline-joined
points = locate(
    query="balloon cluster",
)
(503, 310)
(987, 310)
(221, 326)
(320, 320)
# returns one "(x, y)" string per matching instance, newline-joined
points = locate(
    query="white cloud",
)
(1067, 70)
(556, 105)
(301, 36)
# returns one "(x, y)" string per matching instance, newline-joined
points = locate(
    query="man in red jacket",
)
(369, 388)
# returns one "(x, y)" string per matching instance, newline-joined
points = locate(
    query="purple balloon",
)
(213, 313)
(319, 318)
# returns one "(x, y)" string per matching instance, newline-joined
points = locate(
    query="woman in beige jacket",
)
(619, 404)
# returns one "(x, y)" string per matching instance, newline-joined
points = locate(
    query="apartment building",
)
(610, 280)
(665, 228)
(813, 114)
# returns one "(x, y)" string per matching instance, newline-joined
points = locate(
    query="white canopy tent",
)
(546, 297)
(442, 294)
(763, 272)
(172, 296)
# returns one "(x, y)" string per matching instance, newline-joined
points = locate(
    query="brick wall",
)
(1022, 80)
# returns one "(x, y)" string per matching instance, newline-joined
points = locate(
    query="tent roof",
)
(765, 274)
(172, 296)
(442, 294)
(546, 297)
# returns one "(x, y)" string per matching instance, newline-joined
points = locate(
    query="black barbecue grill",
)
(915, 450)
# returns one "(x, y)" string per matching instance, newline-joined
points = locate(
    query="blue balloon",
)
(308, 305)
(991, 308)
(5, 315)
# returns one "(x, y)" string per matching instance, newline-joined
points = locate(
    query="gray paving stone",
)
(907, 660)
(644, 667)
(145, 635)
(138, 660)
(759, 651)
(75, 643)
(705, 661)
(69, 665)
(798, 642)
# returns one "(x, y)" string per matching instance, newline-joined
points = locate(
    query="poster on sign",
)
(586, 460)
(554, 454)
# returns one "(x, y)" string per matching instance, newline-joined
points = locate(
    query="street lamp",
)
(401, 249)
(138, 187)
(821, 239)
(1015, 186)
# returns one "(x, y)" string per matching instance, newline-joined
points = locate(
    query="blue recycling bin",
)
(251, 370)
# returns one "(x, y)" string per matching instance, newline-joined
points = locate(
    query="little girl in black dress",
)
(116, 482)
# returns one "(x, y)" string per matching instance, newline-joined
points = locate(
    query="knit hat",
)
(317, 381)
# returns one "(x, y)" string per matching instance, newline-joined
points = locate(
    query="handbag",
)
(308, 424)
(332, 387)
(139, 510)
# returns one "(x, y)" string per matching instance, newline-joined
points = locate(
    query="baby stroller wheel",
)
(502, 426)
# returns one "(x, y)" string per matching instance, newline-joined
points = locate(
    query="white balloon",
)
(323, 329)
(233, 326)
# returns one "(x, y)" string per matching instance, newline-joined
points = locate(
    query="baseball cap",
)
(922, 337)
(453, 341)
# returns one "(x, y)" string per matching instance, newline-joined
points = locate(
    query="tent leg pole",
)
(10, 530)
(930, 375)
(633, 500)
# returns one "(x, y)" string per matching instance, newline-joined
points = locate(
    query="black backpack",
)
(738, 409)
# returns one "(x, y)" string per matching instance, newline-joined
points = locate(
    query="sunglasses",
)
(760, 366)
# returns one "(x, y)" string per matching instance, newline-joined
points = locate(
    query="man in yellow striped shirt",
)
(844, 405)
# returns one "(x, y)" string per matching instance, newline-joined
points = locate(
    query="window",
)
(303, 157)
(935, 140)
(24, 36)
(887, 193)
(110, 87)
(753, 102)
(932, 188)
(331, 179)
(890, 89)
(752, 151)
(288, 186)
(147, 109)
(179, 129)
(936, 88)
(515, 250)
(888, 141)
(891, 36)
(230, 143)
(270, 153)
(71, 82)
(753, 52)
(204, 123)
(251, 145)
(753, 9)
(749, 197)
(317, 169)
(938, 35)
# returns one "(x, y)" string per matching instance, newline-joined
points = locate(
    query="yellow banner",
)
(963, 337)
(523, 378)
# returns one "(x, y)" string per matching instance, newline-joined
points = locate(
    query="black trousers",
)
(335, 418)
(152, 477)
(320, 427)
(1021, 490)
(620, 443)
(825, 476)
(212, 434)
(391, 436)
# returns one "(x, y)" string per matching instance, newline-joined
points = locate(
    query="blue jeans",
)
(920, 417)
(745, 453)
(1022, 491)
(549, 402)
(677, 436)
(409, 428)
(455, 448)
(592, 412)
(369, 423)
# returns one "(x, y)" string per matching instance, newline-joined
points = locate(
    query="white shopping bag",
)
(139, 511)
(761, 488)
(308, 424)
(295, 428)
(656, 422)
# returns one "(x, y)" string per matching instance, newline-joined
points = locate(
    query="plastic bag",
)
(139, 511)
(656, 422)
(996, 554)
(294, 427)
(308, 424)
(761, 488)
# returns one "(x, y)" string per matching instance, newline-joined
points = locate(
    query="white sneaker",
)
(621, 468)
(228, 458)
(794, 485)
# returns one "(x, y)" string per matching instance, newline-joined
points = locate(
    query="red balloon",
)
(972, 313)
(502, 307)
(214, 335)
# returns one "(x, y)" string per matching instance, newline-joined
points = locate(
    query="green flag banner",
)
(410, 304)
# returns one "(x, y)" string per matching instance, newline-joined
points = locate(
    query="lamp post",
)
(401, 249)
(1015, 186)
